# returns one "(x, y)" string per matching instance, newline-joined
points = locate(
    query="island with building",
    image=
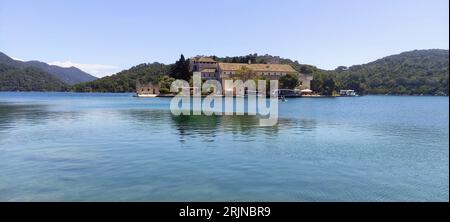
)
(295, 83)
(417, 72)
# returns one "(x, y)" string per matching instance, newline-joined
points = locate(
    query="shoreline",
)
(322, 96)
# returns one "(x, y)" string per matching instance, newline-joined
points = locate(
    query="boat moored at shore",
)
(348, 93)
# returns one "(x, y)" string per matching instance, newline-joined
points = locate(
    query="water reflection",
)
(111, 148)
(209, 127)
(32, 114)
(12, 114)
(246, 125)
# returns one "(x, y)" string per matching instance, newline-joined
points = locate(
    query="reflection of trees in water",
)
(194, 124)
(11, 114)
(203, 126)
(151, 120)
(146, 117)
(248, 125)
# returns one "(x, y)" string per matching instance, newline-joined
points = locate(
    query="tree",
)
(329, 86)
(341, 69)
(354, 81)
(289, 81)
(180, 70)
(245, 73)
(164, 84)
(307, 69)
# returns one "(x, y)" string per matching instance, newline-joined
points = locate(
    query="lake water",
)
(114, 147)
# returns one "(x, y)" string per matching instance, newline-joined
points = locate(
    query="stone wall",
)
(147, 88)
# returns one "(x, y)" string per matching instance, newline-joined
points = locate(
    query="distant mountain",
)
(69, 75)
(6, 60)
(28, 79)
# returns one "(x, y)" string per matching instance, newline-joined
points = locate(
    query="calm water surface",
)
(114, 147)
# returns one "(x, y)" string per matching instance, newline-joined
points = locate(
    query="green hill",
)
(125, 81)
(414, 72)
(409, 73)
(28, 79)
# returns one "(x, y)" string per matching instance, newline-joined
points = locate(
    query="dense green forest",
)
(416, 72)
(125, 81)
(28, 79)
(410, 73)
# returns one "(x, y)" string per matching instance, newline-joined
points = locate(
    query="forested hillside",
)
(125, 81)
(413, 73)
(28, 79)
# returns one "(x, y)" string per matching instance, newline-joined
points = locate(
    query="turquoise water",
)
(114, 147)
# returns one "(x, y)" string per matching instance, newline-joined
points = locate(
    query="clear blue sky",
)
(106, 36)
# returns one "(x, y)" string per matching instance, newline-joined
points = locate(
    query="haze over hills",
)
(409, 73)
(70, 76)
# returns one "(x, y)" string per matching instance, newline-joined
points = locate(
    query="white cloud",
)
(18, 59)
(97, 70)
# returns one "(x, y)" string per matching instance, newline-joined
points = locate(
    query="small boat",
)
(145, 95)
(287, 93)
(348, 92)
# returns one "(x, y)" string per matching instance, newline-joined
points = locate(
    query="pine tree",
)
(180, 70)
